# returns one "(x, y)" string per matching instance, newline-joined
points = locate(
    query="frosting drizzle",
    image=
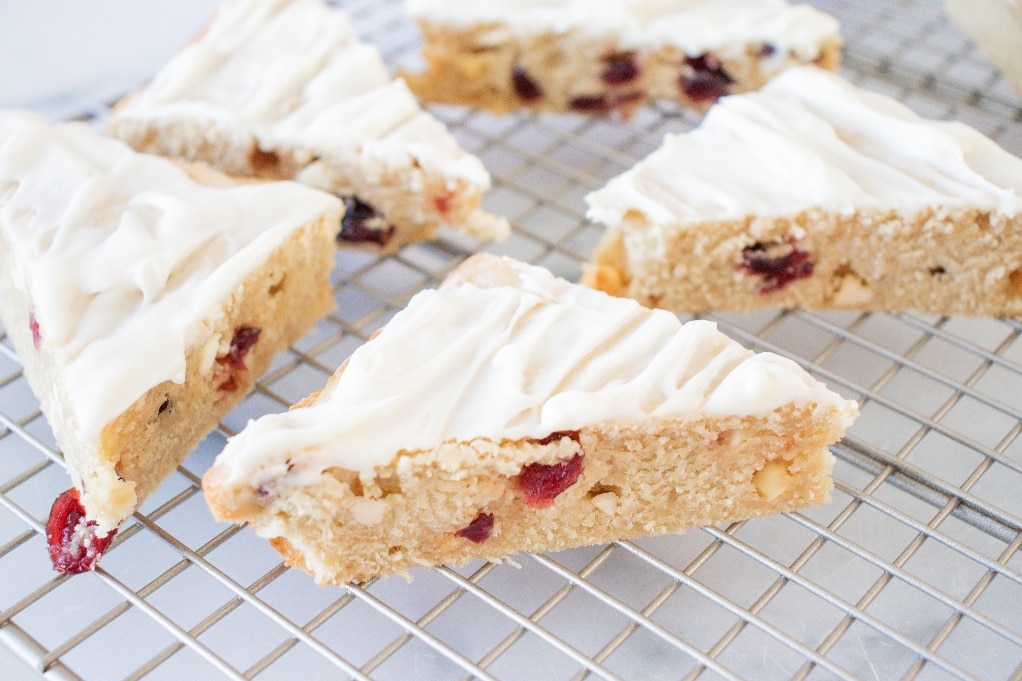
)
(694, 26)
(294, 75)
(810, 139)
(500, 361)
(126, 259)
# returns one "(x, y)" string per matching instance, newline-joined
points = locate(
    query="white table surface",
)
(57, 56)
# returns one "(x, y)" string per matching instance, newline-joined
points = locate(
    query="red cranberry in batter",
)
(620, 69)
(364, 224)
(479, 530)
(596, 104)
(73, 545)
(541, 483)
(777, 264)
(232, 363)
(705, 80)
(241, 343)
(527, 88)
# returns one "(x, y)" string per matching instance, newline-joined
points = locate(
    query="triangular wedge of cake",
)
(512, 411)
(284, 89)
(143, 305)
(612, 56)
(815, 193)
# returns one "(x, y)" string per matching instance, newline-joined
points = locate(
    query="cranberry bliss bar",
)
(815, 193)
(283, 89)
(602, 56)
(511, 411)
(143, 305)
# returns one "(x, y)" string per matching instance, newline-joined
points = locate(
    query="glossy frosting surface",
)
(126, 260)
(514, 359)
(294, 74)
(810, 139)
(695, 26)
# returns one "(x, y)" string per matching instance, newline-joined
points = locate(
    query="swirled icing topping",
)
(811, 139)
(693, 26)
(126, 259)
(514, 353)
(293, 74)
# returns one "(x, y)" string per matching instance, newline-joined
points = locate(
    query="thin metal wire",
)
(931, 424)
(31, 652)
(878, 36)
(932, 533)
(528, 625)
(246, 595)
(856, 611)
(640, 619)
(421, 634)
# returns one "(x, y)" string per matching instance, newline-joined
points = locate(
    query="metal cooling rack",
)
(913, 571)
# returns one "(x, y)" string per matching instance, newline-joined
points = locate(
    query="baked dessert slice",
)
(996, 26)
(510, 411)
(611, 56)
(815, 193)
(143, 305)
(283, 89)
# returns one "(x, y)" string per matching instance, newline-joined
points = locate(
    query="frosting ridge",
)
(694, 26)
(810, 139)
(292, 73)
(512, 360)
(126, 257)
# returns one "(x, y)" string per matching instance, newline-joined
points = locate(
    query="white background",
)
(57, 56)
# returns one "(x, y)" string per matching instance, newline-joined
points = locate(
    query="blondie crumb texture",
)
(328, 114)
(553, 59)
(747, 435)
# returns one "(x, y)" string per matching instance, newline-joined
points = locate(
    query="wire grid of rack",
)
(913, 571)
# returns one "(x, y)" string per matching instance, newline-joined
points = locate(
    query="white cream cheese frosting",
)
(293, 74)
(811, 139)
(511, 361)
(127, 260)
(693, 26)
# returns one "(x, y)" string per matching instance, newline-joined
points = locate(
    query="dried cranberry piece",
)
(777, 263)
(442, 203)
(524, 85)
(228, 384)
(479, 530)
(620, 69)
(541, 483)
(229, 365)
(165, 406)
(241, 343)
(707, 80)
(363, 224)
(603, 104)
(590, 104)
(73, 545)
(559, 435)
(33, 325)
